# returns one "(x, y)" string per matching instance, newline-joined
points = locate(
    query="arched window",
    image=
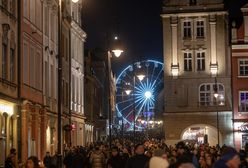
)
(206, 94)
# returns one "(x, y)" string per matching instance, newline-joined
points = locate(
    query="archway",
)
(201, 133)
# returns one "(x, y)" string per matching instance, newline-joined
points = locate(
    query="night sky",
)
(138, 24)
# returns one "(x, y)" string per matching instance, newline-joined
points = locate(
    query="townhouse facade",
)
(9, 103)
(239, 45)
(196, 69)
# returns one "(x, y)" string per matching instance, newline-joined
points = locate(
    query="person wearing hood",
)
(229, 159)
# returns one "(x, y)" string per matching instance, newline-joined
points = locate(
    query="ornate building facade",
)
(50, 69)
(77, 39)
(240, 80)
(8, 78)
(197, 67)
(31, 95)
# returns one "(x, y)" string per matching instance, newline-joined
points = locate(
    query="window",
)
(38, 69)
(200, 61)
(25, 63)
(52, 26)
(32, 67)
(187, 61)
(46, 21)
(52, 81)
(38, 14)
(206, 94)
(5, 4)
(32, 11)
(13, 7)
(4, 61)
(243, 67)
(243, 101)
(12, 65)
(66, 94)
(199, 28)
(187, 29)
(192, 2)
(26, 8)
(46, 79)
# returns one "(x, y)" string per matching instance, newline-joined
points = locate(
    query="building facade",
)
(240, 80)
(100, 88)
(77, 40)
(50, 69)
(196, 66)
(8, 79)
(31, 53)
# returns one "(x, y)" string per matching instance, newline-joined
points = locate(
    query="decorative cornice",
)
(79, 30)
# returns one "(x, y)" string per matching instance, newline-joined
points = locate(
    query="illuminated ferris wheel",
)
(137, 88)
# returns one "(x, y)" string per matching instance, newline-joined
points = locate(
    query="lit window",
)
(187, 61)
(187, 29)
(199, 28)
(200, 61)
(206, 94)
(243, 67)
(12, 65)
(243, 101)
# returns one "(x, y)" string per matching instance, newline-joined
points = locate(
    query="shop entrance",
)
(201, 134)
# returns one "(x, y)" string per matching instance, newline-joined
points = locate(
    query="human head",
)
(114, 151)
(139, 149)
(160, 153)
(180, 147)
(32, 162)
(13, 151)
(230, 157)
(158, 162)
(186, 165)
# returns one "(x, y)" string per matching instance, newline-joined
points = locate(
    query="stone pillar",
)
(246, 27)
(24, 137)
(43, 122)
(174, 36)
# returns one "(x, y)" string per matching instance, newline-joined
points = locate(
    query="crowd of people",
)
(149, 154)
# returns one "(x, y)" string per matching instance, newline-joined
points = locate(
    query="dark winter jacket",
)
(137, 161)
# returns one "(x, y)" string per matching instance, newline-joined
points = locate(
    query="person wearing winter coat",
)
(139, 160)
(97, 159)
(115, 161)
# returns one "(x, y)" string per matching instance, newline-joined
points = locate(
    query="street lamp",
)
(116, 50)
(140, 75)
(117, 47)
(216, 95)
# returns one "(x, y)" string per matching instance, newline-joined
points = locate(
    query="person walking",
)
(32, 162)
(47, 160)
(229, 159)
(10, 161)
(139, 160)
(115, 160)
(97, 158)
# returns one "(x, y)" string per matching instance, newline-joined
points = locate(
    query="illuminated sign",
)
(244, 127)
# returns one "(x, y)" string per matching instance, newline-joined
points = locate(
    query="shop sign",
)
(244, 127)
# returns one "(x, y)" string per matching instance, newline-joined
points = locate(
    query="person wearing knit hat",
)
(158, 162)
(229, 159)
